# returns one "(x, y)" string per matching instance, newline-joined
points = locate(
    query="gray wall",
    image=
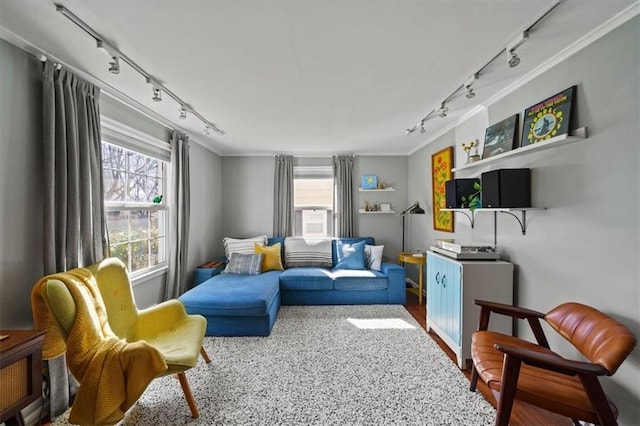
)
(247, 207)
(20, 184)
(585, 247)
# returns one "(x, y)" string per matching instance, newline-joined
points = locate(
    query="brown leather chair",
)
(517, 369)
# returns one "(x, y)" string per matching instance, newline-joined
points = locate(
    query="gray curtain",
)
(74, 227)
(343, 178)
(283, 196)
(180, 201)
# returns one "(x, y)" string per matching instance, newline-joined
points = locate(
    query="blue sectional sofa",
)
(247, 305)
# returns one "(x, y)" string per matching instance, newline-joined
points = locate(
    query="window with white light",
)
(313, 200)
(134, 184)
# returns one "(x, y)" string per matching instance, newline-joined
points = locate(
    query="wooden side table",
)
(405, 257)
(20, 372)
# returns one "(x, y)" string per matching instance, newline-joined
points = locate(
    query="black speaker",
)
(506, 188)
(458, 188)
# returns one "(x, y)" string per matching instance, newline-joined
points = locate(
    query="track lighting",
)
(468, 90)
(443, 110)
(114, 65)
(157, 95)
(157, 92)
(469, 93)
(207, 129)
(512, 58)
(422, 130)
(183, 112)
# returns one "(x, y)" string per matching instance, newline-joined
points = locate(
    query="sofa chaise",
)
(241, 304)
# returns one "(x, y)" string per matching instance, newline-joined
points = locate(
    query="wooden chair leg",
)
(474, 378)
(204, 355)
(188, 396)
(509, 382)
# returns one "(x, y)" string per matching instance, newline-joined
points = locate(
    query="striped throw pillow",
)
(242, 245)
(307, 252)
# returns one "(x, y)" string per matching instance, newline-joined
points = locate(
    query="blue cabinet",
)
(452, 286)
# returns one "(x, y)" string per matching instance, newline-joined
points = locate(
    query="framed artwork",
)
(441, 164)
(549, 118)
(369, 182)
(501, 137)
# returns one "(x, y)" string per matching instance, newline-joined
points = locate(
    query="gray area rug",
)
(322, 365)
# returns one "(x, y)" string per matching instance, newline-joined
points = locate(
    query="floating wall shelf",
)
(363, 211)
(376, 189)
(574, 136)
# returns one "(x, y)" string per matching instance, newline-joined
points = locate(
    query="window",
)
(313, 201)
(134, 184)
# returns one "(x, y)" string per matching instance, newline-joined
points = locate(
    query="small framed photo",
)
(369, 182)
(501, 137)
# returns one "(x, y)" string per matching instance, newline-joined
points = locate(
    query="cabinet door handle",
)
(444, 281)
(437, 277)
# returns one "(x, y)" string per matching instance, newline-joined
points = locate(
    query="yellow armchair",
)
(114, 349)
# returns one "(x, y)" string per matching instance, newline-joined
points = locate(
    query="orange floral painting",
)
(441, 164)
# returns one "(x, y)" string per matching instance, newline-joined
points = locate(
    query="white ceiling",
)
(307, 77)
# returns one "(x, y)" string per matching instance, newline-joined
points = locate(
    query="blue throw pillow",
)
(350, 256)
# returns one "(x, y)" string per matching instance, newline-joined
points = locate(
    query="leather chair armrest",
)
(552, 361)
(513, 311)
(532, 317)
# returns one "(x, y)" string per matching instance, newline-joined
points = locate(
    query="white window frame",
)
(119, 134)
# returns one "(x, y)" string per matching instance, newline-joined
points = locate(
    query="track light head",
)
(422, 129)
(157, 95)
(468, 90)
(469, 93)
(183, 112)
(157, 92)
(207, 129)
(512, 58)
(443, 110)
(114, 65)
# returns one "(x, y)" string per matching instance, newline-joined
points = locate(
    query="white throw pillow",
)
(373, 257)
(242, 245)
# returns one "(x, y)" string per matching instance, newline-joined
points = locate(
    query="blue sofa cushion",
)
(364, 280)
(233, 295)
(306, 278)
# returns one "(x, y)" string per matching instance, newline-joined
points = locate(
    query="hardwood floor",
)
(523, 414)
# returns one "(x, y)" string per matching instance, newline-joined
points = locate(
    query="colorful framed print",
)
(369, 182)
(501, 137)
(549, 118)
(441, 164)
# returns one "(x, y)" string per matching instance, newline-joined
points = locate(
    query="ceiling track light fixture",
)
(512, 60)
(114, 67)
(114, 64)
(183, 112)
(443, 110)
(469, 93)
(157, 92)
